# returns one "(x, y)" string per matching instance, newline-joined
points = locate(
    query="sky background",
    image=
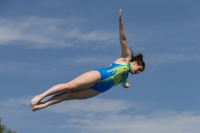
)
(47, 42)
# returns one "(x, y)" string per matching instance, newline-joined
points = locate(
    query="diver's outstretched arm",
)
(125, 54)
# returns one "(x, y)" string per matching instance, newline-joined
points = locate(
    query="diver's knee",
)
(70, 86)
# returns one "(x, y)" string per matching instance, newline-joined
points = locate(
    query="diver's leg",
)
(79, 94)
(84, 81)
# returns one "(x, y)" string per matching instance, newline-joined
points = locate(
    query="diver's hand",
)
(120, 15)
(127, 85)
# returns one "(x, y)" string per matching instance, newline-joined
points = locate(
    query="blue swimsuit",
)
(111, 76)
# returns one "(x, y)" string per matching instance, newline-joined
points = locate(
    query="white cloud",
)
(102, 60)
(188, 49)
(109, 115)
(51, 67)
(183, 122)
(94, 105)
(38, 32)
(168, 58)
(92, 36)
(15, 102)
(25, 68)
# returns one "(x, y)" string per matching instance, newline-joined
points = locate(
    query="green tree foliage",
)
(3, 128)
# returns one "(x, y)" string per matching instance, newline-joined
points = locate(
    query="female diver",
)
(94, 82)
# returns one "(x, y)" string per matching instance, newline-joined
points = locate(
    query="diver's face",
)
(135, 68)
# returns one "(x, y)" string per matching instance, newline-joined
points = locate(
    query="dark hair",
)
(137, 57)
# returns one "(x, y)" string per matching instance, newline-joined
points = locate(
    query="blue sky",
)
(43, 43)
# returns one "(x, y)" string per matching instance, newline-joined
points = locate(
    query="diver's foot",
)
(38, 107)
(35, 101)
